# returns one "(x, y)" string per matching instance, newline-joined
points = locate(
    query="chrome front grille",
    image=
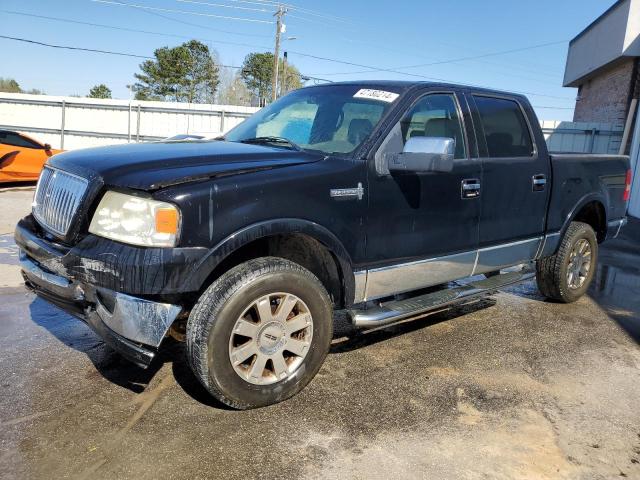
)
(58, 196)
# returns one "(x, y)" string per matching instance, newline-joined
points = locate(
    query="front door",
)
(422, 229)
(514, 194)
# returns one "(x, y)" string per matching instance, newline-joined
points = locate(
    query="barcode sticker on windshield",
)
(381, 95)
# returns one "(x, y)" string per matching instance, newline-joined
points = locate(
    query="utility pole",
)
(276, 60)
(283, 83)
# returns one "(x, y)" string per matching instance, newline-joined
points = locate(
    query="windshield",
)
(332, 120)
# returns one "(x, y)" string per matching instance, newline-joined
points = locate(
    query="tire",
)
(251, 299)
(553, 273)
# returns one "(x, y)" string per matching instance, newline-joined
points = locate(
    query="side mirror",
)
(47, 146)
(424, 154)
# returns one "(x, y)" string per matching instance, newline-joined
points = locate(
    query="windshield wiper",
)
(277, 140)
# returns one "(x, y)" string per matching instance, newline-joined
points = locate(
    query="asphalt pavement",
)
(511, 387)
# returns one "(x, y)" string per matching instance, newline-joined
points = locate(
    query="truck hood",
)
(150, 166)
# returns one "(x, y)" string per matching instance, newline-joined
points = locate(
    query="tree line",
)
(192, 72)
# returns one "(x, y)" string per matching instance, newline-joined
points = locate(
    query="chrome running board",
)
(395, 310)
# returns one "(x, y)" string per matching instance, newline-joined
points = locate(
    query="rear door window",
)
(504, 127)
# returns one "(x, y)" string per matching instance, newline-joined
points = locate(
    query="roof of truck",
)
(404, 85)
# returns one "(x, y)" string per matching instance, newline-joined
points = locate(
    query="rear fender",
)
(553, 239)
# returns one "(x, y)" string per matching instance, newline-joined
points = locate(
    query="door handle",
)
(539, 182)
(470, 188)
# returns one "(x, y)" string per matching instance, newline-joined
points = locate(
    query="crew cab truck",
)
(385, 199)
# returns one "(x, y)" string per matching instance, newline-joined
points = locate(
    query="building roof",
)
(609, 39)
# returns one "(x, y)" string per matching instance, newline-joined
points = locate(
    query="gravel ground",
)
(511, 387)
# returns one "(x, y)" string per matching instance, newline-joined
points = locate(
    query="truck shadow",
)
(110, 365)
(77, 335)
(346, 338)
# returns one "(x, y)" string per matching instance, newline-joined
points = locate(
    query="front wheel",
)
(260, 333)
(566, 276)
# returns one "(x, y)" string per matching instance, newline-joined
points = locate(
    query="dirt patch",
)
(519, 446)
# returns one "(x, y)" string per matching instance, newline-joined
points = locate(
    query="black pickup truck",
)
(384, 199)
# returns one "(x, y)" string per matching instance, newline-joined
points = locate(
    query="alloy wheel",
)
(271, 338)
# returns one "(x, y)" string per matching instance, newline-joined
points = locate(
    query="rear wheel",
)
(260, 333)
(566, 276)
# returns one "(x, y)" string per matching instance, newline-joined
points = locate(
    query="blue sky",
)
(382, 34)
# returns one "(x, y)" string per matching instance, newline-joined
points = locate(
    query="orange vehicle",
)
(22, 157)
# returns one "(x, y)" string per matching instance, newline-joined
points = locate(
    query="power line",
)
(378, 69)
(319, 15)
(311, 20)
(191, 24)
(109, 52)
(221, 5)
(93, 50)
(185, 12)
(511, 65)
(291, 6)
(184, 36)
(462, 59)
(113, 27)
(123, 54)
(264, 10)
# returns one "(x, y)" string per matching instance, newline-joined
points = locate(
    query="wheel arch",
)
(591, 209)
(301, 241)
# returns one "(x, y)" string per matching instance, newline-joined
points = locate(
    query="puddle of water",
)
(616, 286)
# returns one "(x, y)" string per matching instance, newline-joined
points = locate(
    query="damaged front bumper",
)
(131, 325)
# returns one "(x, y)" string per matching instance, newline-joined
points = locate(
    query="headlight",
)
(136, 220)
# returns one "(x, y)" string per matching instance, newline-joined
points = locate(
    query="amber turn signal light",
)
(167, 220)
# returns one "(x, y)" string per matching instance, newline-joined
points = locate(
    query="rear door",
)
(514, 193)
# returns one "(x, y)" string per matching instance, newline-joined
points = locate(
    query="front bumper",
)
(132, 325)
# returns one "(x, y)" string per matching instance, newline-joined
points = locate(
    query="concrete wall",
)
(605, 97)
(70, 123)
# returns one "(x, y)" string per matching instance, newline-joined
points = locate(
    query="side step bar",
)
(396, 310)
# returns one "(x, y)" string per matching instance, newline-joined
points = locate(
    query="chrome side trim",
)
(405, 277)
(385, 281)
(360, 286)
(137, 319)
(475, 262)
(549, 245)
(621, 222)
(507, 255)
